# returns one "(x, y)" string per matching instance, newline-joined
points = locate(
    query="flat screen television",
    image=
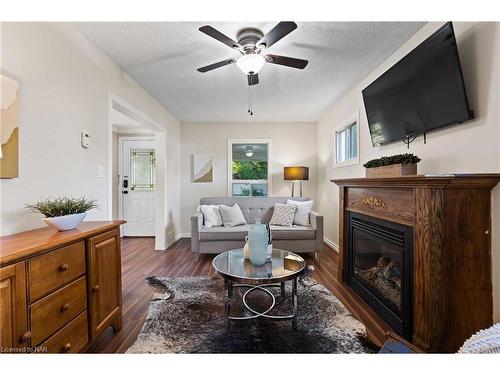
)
(422, 92)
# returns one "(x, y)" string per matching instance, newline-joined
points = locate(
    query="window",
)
(248, 167)
(346, 142)
(142, 162)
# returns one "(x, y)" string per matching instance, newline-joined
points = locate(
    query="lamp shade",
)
(296, 173)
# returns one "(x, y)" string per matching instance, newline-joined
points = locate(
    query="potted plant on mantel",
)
(392, 166)
(63, 213)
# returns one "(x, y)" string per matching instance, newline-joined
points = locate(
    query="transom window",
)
(346, 142)
(248, 168)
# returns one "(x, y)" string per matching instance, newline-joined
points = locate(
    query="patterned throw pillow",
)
(283, 214)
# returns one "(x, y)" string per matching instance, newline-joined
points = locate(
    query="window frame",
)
(230, 180)
(343, 125)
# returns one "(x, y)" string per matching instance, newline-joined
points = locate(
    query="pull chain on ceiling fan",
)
(251, 44)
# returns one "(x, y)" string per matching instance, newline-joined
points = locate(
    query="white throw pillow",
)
(283, 214)
(303, 210)
(211, 215)
(232, 216)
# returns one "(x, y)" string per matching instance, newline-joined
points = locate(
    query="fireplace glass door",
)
(378, 267)
(377, 264)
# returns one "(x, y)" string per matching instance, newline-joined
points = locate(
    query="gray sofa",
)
(299, 239)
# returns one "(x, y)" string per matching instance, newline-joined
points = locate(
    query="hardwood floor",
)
(140, 260)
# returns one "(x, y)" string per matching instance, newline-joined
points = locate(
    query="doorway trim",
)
(116, 103)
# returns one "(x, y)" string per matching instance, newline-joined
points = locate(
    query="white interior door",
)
(138, 187)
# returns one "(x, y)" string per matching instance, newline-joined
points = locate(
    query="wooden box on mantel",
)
(393, 170)
(451, 220)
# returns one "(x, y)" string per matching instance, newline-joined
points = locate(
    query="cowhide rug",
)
(186, 315)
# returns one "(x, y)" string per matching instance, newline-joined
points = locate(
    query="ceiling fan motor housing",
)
(248, 38)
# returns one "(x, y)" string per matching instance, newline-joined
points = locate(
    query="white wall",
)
(65, 82)
(292, 144)
(471, 147)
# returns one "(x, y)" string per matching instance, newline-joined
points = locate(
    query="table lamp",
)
(295, 174)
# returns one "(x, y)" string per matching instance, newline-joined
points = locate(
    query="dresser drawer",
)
(393, 204)
(54, 311)
(50, 271)
(71, 338)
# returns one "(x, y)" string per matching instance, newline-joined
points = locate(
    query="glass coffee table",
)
(239, 272)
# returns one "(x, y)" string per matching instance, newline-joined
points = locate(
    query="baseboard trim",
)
(182, 235)
(330, 243)
(160, 246)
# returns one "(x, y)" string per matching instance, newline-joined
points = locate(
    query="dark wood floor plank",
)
(140, 260)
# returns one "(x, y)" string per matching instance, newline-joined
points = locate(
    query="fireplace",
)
(378, 267)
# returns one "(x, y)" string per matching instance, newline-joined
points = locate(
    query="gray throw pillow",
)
(211, 215)
(303, 211)
(283, 214)
(231, 216)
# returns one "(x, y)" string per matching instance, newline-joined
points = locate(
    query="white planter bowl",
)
(65, 222)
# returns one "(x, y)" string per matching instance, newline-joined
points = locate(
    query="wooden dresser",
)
(59, 290)
(449, 216)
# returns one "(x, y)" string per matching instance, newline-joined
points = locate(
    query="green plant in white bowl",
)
(63, 213)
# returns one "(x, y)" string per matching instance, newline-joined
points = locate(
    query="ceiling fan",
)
(251, 44)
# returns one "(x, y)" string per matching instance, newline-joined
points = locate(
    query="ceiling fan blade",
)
(253, 79)
(216, 34)
(216, 65)
(287, 61)
(279, 31)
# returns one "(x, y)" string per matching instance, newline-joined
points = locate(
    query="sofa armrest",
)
(317, 223)
(196, 224)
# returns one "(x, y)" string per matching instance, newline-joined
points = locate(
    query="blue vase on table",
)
(257, 243)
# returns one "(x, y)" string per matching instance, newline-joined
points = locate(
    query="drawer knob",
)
(65, 307)
(63, 267)
(95, 288)
(26, 336)
(67, 347)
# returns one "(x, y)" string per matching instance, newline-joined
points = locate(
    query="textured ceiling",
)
(163, 58)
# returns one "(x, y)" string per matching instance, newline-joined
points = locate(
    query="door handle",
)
(124, 191)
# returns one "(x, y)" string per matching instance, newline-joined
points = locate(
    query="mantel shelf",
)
(479, 180)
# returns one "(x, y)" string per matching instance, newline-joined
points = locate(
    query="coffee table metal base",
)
(264, 314)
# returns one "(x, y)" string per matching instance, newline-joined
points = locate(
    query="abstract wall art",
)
(203, 167)
(9, 127)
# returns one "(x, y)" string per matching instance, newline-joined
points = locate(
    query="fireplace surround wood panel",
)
(451, 295)
(393, 204)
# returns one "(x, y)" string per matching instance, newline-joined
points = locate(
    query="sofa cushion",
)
(296, 232)
(237, 233)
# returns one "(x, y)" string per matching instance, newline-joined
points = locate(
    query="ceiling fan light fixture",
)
(251, 63)
(249, 151)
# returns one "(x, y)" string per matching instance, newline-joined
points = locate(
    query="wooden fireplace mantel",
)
(482, 180)
(450, 217)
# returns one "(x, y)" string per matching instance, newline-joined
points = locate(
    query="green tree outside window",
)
(249, 170)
